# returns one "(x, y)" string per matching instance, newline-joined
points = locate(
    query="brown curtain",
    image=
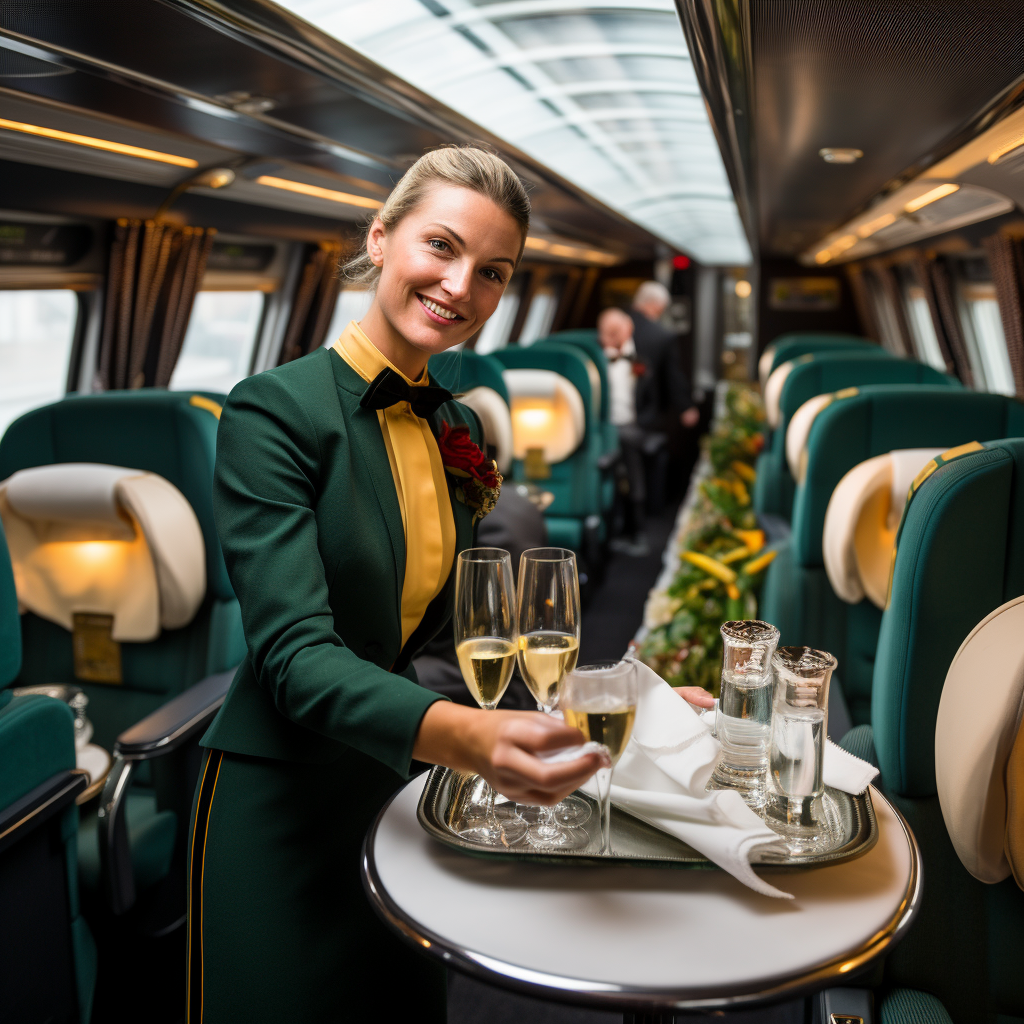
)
(1006, 262)
(862, 301)
(155, 272)
(949, 316)
(892, 295)
(921, 267)
(315, 299)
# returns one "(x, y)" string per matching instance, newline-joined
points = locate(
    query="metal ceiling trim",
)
(322, 54)
(718, 36)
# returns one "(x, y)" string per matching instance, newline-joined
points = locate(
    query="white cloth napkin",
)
(840, 769)
(661, 778)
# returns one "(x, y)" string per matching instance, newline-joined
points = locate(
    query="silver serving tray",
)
(852, 831)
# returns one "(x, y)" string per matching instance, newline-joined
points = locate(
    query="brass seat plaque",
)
(97, 654)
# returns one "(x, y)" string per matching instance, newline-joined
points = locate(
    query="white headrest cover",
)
(547, 413)
(773, 392)
(86, 537)
(496, 420)
(764, 366)
(861, 521)
(799, 430)
(595, 383)
(978, 723)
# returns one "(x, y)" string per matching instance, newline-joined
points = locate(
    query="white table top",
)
(625, 936)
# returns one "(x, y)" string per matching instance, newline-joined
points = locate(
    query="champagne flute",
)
(485, 644)
(600, 701)
(549, 640)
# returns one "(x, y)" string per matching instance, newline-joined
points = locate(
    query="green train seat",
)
(478, 383)
(944, 712)
(554, 415)
(818, 373)
(798, 343)
(47, 953)
(874, 420)
(156, 663)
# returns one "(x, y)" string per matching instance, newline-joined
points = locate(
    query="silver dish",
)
(851, 830)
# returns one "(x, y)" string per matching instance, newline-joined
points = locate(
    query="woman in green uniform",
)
(340, 528)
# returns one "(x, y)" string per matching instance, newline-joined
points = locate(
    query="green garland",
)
(722, 555)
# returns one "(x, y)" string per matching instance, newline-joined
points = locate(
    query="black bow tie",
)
(389, 388)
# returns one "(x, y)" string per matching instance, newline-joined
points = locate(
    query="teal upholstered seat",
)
(47, 954)
(461, 371)
(172, 434)
(960, 555)
(799, 343)
(816, 373)
(797, 596)
(575, 481)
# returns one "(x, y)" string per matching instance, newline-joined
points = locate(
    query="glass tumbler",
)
(743, 720)
(799, 725)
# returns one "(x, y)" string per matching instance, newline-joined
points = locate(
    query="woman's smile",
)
(438, 311)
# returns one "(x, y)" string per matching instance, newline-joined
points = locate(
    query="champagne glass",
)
(549, 640)
(485, 643)
(600, 701)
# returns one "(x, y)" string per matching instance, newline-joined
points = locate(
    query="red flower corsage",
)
(479, 482)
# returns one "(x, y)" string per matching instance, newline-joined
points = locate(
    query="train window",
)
(497, 329)
(985, 330)
(218, 347)
(37, 329)
(926, 342)
(540, 315)
(353, 304)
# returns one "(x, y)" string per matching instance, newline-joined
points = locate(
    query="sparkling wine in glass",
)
(600, 701)
(486, 637)
(549, 640)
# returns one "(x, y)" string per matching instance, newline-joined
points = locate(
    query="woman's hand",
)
(502, 747)
(695, 695)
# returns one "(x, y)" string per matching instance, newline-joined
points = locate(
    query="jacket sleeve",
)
(265, 490)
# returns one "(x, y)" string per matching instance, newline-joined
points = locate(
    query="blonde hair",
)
(462, 166)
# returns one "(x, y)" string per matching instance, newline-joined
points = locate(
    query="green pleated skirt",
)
(280, 930)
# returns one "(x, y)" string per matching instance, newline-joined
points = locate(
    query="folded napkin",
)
(840, 769)
(661, 778)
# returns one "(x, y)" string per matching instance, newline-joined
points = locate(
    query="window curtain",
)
(1006, 262)
(894, 311)
(155, 272)
(862, 302)
(315, 299)
(949, 317)
(922, 270)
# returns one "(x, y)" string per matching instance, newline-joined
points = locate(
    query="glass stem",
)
(603, 778)
(489, 818)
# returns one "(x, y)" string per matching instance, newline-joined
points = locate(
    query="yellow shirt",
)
(420, 483)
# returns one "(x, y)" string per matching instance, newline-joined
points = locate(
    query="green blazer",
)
(309, 520)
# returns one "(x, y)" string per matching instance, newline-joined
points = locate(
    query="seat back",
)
(953, 610)
(173, 436)
(796, 381)
(798, 343)
(865, 422)
(478, 383)
(47, 955)
(587, 341)
(575, 478)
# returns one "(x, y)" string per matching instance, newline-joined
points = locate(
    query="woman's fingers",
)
(695, 695)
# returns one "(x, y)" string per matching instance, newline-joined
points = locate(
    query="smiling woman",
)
(340, 523)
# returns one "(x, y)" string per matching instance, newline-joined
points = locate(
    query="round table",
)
(637, 939)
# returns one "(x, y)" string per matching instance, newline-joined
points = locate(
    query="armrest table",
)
(640, 940)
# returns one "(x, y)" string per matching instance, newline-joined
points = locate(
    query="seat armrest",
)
(40, 804)
(175, 722)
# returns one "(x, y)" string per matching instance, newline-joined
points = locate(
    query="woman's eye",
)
(493, 275)
(440, 245)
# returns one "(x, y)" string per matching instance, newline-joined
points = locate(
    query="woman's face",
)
(444, 267)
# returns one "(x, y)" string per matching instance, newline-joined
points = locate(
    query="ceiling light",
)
(867, 230)
(1006, 149)
(217, 177)
(537, 243)
(104, 144)
(844, 243)
(564, 250)
(743, 289)
(319, 193)
(840, 155)
(930, 197)
(822, 256)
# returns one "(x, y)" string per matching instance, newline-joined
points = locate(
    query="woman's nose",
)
(457, 281)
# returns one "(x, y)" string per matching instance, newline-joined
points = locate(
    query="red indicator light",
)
(680, 262)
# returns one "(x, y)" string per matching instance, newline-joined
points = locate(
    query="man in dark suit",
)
(663, 390)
